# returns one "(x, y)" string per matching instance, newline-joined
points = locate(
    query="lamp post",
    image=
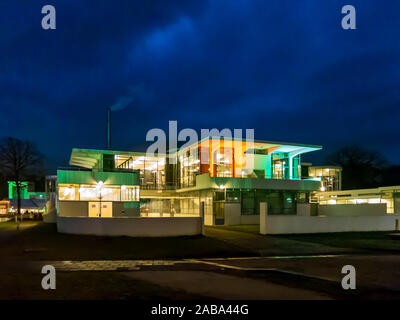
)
(99, 186)
(224, 188)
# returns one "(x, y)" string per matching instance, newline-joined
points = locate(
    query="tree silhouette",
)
(361, 168)
(18, 159)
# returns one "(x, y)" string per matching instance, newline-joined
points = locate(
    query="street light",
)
(99, 185)
(223, 187)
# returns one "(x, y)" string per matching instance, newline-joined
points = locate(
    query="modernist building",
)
(27, 191)
(211, 175)
(388, 195)
(330, 176)
(101, 192)
(31, 201)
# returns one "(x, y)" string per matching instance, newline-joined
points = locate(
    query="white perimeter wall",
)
(232, 213)
(73, 208)
(303, 209)
(208, 219)
(360, 209)
(250, 219)
(50, 217)
(316, 224)
(133, 227)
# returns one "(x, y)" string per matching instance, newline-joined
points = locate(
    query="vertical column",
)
(291, 167)
(202, 217)
(210, 157)
(263, 217)
(233, 158)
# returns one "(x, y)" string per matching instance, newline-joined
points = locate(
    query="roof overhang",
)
(273, 147)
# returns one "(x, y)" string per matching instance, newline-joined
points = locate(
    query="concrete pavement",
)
(278, 277)
(223, 286)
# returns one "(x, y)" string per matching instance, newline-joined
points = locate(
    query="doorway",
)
(106, 209)
(219, 213)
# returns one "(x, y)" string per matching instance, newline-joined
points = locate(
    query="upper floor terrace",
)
(218, 157)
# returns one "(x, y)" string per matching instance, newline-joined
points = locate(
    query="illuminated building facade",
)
(224, 176)
(331, 177)
(26, 191)
(31, 201)
(388, 195)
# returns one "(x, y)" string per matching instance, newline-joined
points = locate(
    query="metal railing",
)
(126, 170)
(157, 187)
(73, 169)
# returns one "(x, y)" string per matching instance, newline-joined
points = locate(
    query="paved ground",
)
(223, 286)
(280, 268)
(379, 271)
(195, 278)
(290, 277)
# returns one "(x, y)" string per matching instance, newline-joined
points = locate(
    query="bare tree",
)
(18, 159)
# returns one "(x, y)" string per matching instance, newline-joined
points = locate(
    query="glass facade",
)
(164, 183)
(152, 169)
(279, 202)
(230, 161)
(330, 177)
(83, 192)
(280, 166)
(189, 164)
(227, 159)
(296, 167)
(223, 162)
(388, 195)
(189, 204)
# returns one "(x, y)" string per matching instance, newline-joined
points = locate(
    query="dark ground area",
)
(227, 263)
(40, 241)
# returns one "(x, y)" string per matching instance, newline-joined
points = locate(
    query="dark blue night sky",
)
(285, 68)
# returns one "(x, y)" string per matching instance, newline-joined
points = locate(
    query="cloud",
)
(284, 68)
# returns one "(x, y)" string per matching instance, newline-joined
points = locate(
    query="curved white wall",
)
(132, 227)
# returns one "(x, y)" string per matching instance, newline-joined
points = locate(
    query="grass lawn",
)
(357, 240)
(7, 225)
(248, 228)
(40, 241)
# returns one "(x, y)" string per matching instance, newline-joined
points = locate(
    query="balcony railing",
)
(157, 187)
(126, 170)
(311, 178)
(73, 169)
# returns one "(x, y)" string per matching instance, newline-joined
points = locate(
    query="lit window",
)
(66, 192)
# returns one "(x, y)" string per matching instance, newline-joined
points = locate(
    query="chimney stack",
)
(108, 128)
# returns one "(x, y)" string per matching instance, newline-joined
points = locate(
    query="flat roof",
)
(258, 142)
(360, 192)
(88, 158)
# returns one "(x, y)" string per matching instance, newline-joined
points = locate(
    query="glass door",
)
(96, 212)
(219, 213)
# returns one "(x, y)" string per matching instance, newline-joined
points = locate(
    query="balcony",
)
(87, 176)
(204, 181)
